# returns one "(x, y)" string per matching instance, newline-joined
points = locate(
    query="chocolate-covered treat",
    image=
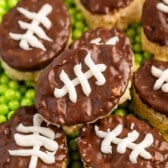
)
(84, 84)
(101, 36)
(27, 141)
(154, 28)
(109, 13)
(116, 141)
(150, 94)
(32, 34)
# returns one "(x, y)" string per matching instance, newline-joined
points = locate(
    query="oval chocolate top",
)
(90, 144)
(53, 21)
(7, 141)
(105, 6)
(154, 22)
(144, 81)
(117, 60)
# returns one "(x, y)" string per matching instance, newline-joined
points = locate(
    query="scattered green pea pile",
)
(14, 94)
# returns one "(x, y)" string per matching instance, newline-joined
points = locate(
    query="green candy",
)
(4, 109)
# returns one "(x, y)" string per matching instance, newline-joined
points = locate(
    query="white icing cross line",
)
(28, 38)
(163, 6)
(124, 143)
(111, 41)
(162, 81)
(82, 79)
(41, 136)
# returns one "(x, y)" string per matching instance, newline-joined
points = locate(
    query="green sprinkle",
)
(3, 109)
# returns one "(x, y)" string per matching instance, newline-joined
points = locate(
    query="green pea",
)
(79, 25)
(2, 99)
(76, 34)
(23, 89)
(3, 89)
(18, 95)
(12, 3)
(75, 155)
(130, 33)
(4, 79)
(138, 58)
(10, 94)
(120, 112)
(26, 102)
(13, 85)
(147, 55)
(137, 47)
(77, 164)
(74, 134)
(72, 145)
(2, 118)
(14, 104)
(30, 94)
(10, 114)
(4, 109)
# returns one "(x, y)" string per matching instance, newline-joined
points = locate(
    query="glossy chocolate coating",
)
(155, 23)
(104, 6)
(143, 82)
(7, 130)
(102, 99)
(35, 59)
(89, 145)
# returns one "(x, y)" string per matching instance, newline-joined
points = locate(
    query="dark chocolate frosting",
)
(102, 99)
(24, 115)
(89, 145)
(144, 81)
(104, 6)
(155, 23)
(34, 59)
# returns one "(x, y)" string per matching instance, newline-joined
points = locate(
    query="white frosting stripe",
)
(110, 137)
(28, 38)
(162, 81)
(163, 6)
(82, 79)
(111, 41)
(38, 136)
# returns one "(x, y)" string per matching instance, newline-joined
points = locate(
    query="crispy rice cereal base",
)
(157, 120)
(160, 52)
(120, 18)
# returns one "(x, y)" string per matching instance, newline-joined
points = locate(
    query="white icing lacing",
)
(28, 38)
(82, 79)
(163, 6)
(38, 136)
(111, 41)
(124, 143)
(162, 81)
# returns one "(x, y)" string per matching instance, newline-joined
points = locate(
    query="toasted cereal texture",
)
(120, 18)
(160, 52)
(157, 120)
(20, 75)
